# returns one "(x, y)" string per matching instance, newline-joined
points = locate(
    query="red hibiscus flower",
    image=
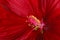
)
(29, 20)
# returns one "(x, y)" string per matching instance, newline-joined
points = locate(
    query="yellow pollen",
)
(38, 21)
(36, 28)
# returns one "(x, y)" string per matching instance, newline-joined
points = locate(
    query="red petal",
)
(53, 24)
(51, 36)
(24, 8)
(11, 25)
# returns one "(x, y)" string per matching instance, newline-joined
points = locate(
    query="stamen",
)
(35, 23)
(36, 28)
(29, 24)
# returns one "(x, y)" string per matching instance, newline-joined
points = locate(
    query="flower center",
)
(35, 23)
